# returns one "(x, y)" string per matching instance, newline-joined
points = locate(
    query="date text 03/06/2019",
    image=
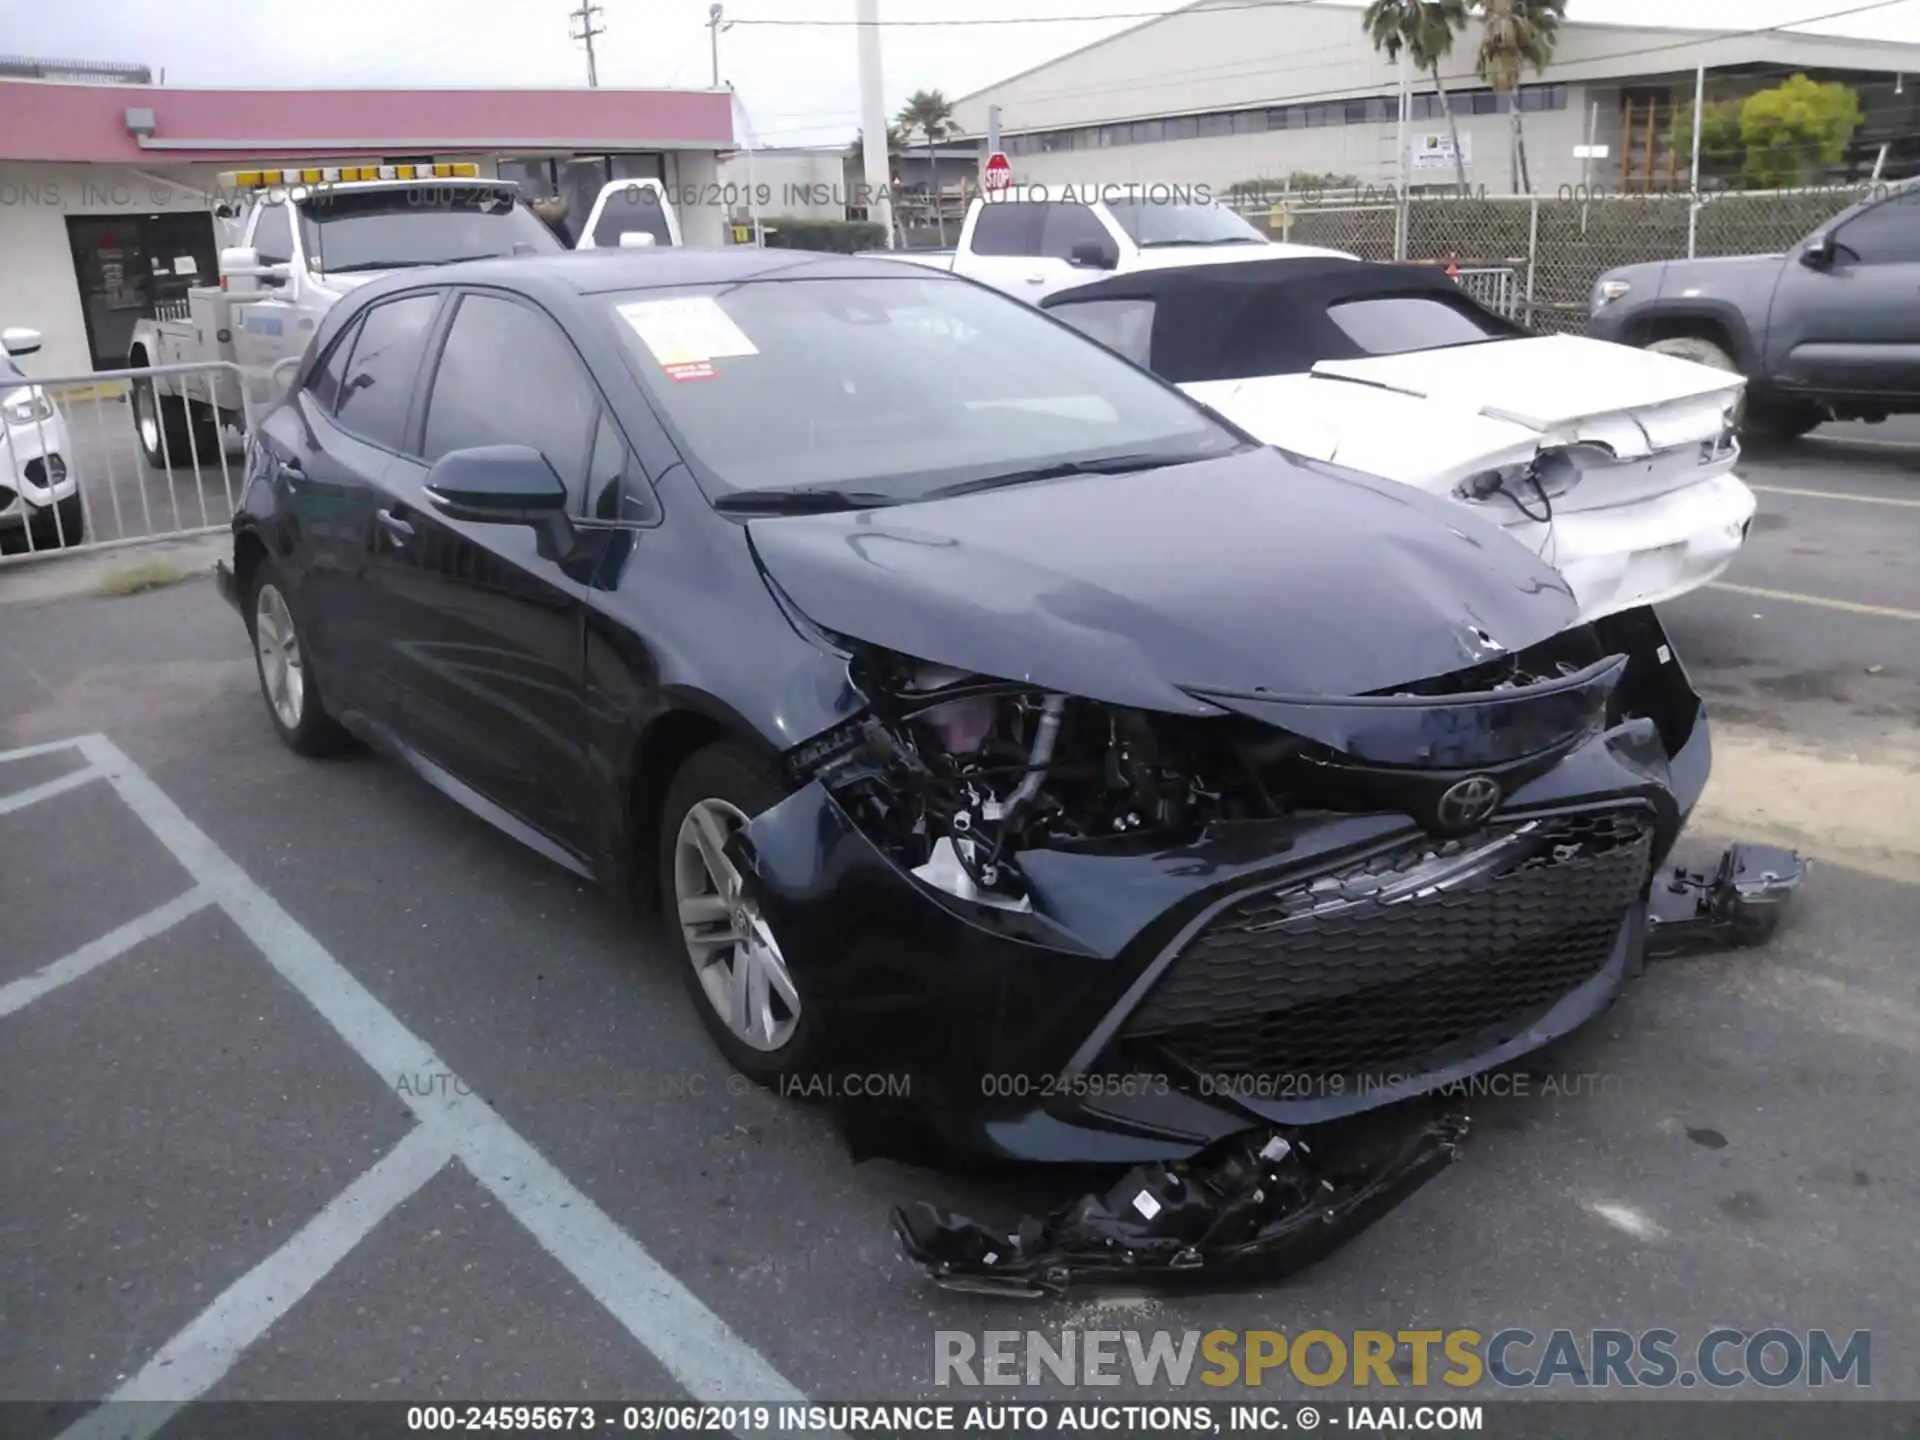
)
(944, 1419)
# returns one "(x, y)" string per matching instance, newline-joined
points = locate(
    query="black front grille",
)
(1401, 956)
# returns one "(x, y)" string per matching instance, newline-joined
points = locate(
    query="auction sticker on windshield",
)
(687, 333)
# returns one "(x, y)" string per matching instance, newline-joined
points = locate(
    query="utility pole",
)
(1699, 115)
(586, 15)
(873, 119)
(714, 27)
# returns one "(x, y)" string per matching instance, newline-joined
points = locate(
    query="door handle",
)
(396, 529)
(1036, 279)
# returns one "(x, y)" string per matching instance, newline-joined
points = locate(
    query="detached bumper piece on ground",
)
(1256, 1206)
(1738, 903)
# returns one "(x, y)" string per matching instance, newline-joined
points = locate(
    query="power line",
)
(1040, 19)
(585, 15)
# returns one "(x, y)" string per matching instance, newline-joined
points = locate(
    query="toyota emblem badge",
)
(1469, 804)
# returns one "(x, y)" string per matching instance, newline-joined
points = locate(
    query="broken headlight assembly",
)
(1533, 486)
(954, 775)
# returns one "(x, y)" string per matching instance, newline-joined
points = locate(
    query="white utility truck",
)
(304, 239)
(630, 213)
(1035, 240)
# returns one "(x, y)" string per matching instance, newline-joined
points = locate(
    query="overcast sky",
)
(798, 82)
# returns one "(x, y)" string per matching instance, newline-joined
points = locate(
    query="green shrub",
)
(843, 237)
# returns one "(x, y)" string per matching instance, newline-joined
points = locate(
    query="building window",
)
(1354, 112)
(1491, 102)
(1213, 125)
(1543, 97)
(1182, 127)
(1116, 134)
(1320, 115)
(1146, 132)
(1250, 122)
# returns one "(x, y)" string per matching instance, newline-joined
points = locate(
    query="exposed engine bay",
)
(957, 775)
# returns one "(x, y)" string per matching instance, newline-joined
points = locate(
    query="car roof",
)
(1264, 317)
(604, 271)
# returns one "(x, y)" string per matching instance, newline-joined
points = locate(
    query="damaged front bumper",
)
(1156, 999)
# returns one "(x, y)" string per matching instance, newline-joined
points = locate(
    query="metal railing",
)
(87, 464)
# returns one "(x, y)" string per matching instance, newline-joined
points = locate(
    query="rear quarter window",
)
(1397, 324)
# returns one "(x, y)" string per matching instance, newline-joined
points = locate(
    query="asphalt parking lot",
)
(316, 1087)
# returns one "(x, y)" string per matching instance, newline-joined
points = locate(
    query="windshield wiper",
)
(801, 501)
(1101, 465)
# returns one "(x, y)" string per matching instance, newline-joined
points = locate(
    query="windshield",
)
(894, 387)
(632, 208)
(1166, 222)
(350, 230)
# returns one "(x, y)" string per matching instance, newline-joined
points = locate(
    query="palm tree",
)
(1519, 35)
(1425, 30)
(929, 112)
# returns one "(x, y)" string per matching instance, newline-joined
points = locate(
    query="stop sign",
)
(999, 172)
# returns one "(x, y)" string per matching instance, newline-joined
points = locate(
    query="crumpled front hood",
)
(1255, 573)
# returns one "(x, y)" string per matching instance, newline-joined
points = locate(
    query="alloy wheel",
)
(278, 646)
(735, 956)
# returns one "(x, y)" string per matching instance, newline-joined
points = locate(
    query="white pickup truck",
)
(305, 239)
(1035, 240)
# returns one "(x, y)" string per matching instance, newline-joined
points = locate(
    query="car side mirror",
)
(1819, 253)
(242, 262)
(504, 485)
(19, 340)
(1092, 255)
(496, 484)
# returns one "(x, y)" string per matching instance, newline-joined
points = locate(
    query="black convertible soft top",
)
(1265, 317)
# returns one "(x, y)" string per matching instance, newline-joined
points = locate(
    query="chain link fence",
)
(1556, 246)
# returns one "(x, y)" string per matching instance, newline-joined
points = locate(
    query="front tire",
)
(1783, 420)
(734, 969)
(287, 681)
(66, 525)
(172, 431)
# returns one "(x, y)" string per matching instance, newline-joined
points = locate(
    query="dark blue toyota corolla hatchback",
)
(973, 704)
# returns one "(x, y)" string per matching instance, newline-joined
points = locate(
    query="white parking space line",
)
(695, 1345)
(31, 752)
(60, 785)
(193, 1362)
(89, 957)
(1837, 495)
(1851, 607)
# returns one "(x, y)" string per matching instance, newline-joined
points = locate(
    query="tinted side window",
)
(1395, 324)
(273, 235)
(1008, 227)
(1123, 326)
(377, 384)
(615, 488)
(1888, 234)
(1070, 225)
(508, 376)
(324, 382)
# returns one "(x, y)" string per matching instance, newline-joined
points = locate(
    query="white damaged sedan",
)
(1615, 465)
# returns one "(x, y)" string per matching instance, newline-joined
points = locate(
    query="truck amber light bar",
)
(261, 179)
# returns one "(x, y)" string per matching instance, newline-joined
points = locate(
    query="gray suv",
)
(1828, 331)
